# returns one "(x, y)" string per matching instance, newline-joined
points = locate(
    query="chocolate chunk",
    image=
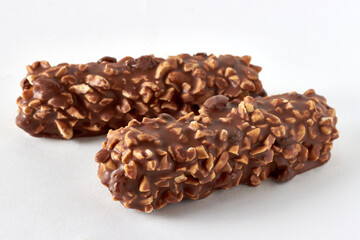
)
(149, 164)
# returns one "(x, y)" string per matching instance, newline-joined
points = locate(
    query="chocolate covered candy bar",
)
(72, 100)
(149, 164)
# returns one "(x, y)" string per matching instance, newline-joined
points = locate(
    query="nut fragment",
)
(126, 156)
(223, 135)
(325, 130)
(63, 101)
(68, 80)
(31, 78)
(164, 163)
(235, 80)
(27, 110)
(247, 85)
(65, 131)
(328, 121)
(234, 149)
(131, 170)
(144, 185)
(269, 141)
(254, 134)
(176, 131)
(290, 152)
(141, 107)
(125, 106)
(243, 159)
(229, 71)
(138, 154)
(180, 178)
(249, 107)
(194, 125)
(300, 132)
(75, 113)
(246, 59)
(108, 70)
(199, 86)
(151, 165)
(97, 81)
(130, 139)
(272, 119)
(149, 208)
(278, 131)
(80, 88)
(311, 105)
(34, 103)
(165, 67)
(82, 67)
(92, 98)
(312, 132)
(246, 144)
(170, 106)
(168, 95)
(145, 137)
(221, 83)
(257, 116)
(27, 94)
(290, 120)
(211, 62)
(254, 180)
(203, 133)
(258, 150)
(93, 128)
(201, 152)
(106, 101)
(62, 71)
(110, 165)
(257, 171)
(42, 112)
(314, 152)
(191, 154)
(146, 94)
(220, 164)
(190, 66)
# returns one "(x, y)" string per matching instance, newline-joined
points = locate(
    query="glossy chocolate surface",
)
(149, 164)
(73, 100)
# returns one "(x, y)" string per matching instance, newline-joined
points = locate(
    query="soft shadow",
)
(86, 140)
(240, 198)
(242, 195)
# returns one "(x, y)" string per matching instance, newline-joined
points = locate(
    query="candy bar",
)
(149, 164)
(72, 100)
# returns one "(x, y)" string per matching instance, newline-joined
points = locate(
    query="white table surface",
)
(49, 188)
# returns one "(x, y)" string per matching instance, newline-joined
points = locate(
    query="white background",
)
(49, 188)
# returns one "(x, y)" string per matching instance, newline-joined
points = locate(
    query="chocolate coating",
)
(149, 164)
(72, 100)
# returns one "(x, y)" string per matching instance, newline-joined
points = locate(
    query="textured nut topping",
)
(111, 93)
(279, 131)
(131, 170)
(62, 71)
(165, 160)
(257, 116)
(201, 152)
(224, 157)
(80, 89)
(223, 135)
(164, 67)
(64, 130)
(97, 81)
(144, 185)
